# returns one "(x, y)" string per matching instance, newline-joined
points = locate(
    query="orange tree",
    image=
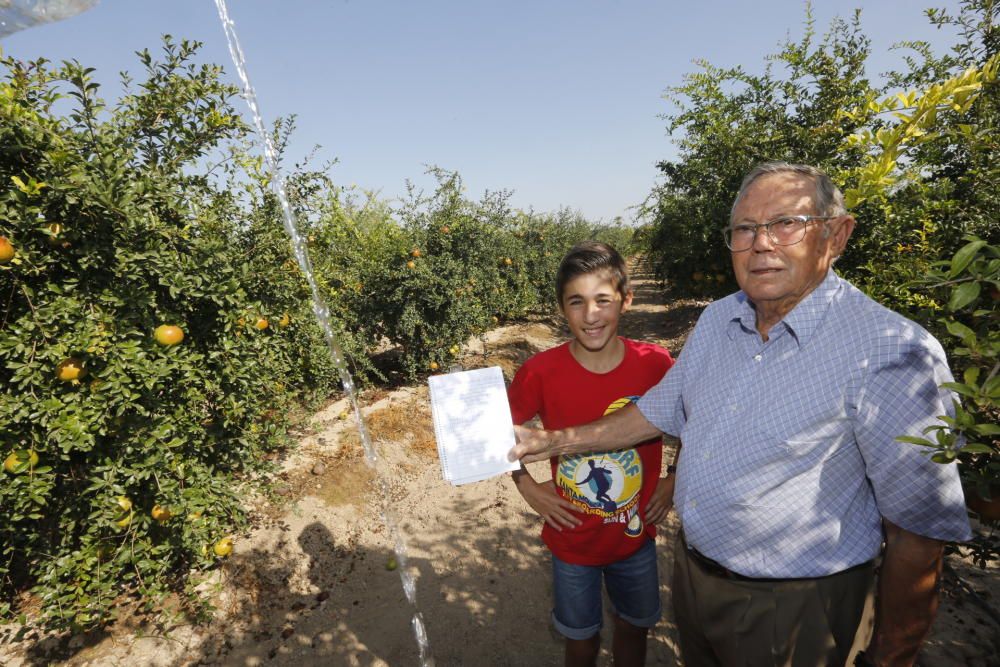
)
(156, 330)
(124, 450)
(728, 119)
(423, 276)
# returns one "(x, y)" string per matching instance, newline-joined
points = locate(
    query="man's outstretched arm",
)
(623, 428)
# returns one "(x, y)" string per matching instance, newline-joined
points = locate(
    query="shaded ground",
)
(312, 584)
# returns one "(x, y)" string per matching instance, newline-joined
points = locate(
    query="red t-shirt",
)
(611, 489)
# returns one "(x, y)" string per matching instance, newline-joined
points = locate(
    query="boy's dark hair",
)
(592, 257)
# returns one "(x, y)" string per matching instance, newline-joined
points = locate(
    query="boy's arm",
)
(545, 500)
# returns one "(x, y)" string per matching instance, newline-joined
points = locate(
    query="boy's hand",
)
(544, 499)
(662, 500)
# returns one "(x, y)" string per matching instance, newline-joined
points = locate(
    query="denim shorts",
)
(633, 587)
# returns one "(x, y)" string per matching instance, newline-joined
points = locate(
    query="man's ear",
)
(627, 301)
(842, 230)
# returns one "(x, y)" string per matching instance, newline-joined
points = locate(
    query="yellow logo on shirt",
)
(605, 484)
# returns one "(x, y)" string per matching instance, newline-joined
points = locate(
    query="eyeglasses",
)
(787, 230)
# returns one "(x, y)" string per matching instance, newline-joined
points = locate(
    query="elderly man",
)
(788, 398)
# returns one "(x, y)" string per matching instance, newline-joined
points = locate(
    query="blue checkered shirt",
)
(788, 460)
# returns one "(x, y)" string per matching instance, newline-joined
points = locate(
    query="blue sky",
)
(557, 100)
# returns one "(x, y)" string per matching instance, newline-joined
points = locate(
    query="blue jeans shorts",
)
(633, 585)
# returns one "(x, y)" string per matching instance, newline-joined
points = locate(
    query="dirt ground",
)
(314, 584)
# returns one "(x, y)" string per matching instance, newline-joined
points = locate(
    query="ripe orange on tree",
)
(261, 323)
(434, 365)
(168, 334)
(223, 547)
(19, 461)
(284, 321)
(160, 513)
(7, 251)
(70, 369)
(415, 252)
(411, 264)
(125, 505)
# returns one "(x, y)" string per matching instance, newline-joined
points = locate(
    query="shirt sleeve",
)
(901, 396)
(524, 395)
(662, 405)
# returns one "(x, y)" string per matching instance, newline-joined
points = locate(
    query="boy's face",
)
(592, 306)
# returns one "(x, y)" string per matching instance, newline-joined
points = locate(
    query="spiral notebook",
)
(472, 424)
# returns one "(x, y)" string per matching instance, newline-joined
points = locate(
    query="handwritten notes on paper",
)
(472, 424)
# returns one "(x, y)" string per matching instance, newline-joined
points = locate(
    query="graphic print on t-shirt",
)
(606, 484)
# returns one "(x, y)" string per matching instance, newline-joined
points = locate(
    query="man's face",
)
(778, 277)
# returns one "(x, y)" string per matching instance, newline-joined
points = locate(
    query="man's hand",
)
(533, 444)
(544, 499)
(907, 597)
(622, 428)
(662, 500)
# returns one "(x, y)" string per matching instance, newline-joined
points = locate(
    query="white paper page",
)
(472, 424)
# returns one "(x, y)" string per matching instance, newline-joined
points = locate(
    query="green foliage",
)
(969, 285)
(448, 269)
(729, 120)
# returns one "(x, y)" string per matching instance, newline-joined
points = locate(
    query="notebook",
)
(472, 424)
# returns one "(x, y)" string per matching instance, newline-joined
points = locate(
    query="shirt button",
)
(734, 407)
(758, 357)
(704, 456)
(692, 503)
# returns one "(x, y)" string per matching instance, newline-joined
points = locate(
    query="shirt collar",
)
(804, 318)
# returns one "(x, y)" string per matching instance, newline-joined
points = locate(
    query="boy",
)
(600, 510)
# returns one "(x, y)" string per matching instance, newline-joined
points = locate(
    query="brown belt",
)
(717, 569)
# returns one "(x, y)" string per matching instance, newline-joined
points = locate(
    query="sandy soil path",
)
(312, 584)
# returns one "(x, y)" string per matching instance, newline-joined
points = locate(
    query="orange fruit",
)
(7, 251)
(20, 461)
(125, 505)
(284, 321)
(70, 369)
(445, 229)
(261, 323)
(411, 264)
(160, 513)
(508, 261)
(415, 252)
(168, 334)
(223, 547)
(434, 366)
